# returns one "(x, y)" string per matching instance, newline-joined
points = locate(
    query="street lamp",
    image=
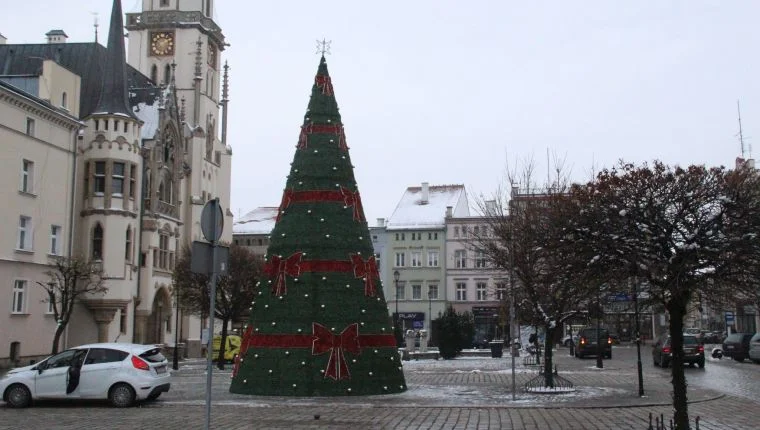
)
(638, 337)
(599, 349)
(396, 328)
(430, 313)
(175, 354)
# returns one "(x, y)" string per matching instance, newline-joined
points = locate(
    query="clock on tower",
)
(162, 43)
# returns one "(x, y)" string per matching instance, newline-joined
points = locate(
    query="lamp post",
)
(396, 328)
(599, 349)
(638, 337)
(175, 355)
(430, 311)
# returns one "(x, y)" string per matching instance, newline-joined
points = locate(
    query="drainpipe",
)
(140, 259)
(72, 213)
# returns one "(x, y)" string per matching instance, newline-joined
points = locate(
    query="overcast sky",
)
(445, 91)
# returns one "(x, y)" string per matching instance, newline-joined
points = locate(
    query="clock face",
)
(162, 44)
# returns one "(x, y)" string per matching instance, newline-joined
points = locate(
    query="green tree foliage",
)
(451, 336)
(234, 291)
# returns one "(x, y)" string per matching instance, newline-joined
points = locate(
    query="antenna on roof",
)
(741, 135)
(95, 24)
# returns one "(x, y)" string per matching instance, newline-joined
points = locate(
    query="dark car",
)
(694, 351)
(587, 345)
(736, 346)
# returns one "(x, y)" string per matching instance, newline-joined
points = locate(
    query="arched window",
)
(97, 242)
(154, 74)
(161, 190)
(167, 74)
(64, 101)
(128, 245)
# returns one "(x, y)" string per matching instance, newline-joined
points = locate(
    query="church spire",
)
(113, 93)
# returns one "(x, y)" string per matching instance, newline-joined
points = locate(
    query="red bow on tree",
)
(368, 271)
(303, 137)
(281, 268)
(325, 83)
(325, 341)
(353, 199)
(246, 342)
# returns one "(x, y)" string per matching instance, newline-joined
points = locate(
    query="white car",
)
(119, 372)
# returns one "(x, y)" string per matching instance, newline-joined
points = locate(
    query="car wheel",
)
(121, 395)
(153, 396)
(18, 396)
(701, 364)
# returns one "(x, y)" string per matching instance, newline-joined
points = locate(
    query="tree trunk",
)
(548, 360)
(57, 338)
(680, 405)
(222, 344)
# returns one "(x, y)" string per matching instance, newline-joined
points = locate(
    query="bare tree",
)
(234, 291)
(69, 281)
(687, 232)
(527, 236)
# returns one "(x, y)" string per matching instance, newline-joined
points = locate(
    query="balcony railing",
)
(167, 209)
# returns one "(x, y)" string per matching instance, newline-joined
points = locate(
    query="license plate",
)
(730, 347)
(160, 369)
(689, 351)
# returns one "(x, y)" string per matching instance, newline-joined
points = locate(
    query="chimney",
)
(381, 222)
(425, 193)
(56, 36)
(3, 39)
(449, 211)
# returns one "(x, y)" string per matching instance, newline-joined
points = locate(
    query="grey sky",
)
(443, 91)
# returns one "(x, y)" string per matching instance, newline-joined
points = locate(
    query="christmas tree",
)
(319, 325)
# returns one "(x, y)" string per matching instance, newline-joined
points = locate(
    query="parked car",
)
(587, 342)
(694, 332)
(567, 340)
(693, 349)
(754, 348)
(615, 338)
(736, 346)
(120, 372)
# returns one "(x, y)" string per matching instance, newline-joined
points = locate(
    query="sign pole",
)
(212, 222)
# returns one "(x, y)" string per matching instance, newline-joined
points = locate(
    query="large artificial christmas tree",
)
(320, 325)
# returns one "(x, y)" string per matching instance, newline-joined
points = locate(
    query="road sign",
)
(201, 258)
(729, 318)
(212, 220)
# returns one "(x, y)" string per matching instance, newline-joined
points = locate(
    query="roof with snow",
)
(413, 213)
(258, 221)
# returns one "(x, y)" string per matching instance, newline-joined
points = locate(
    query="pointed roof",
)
(113, 94)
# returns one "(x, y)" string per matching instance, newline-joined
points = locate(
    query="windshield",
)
(690, 340)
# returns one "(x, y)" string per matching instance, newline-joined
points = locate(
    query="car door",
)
(74, 373)
(100, 370)
(51, 379)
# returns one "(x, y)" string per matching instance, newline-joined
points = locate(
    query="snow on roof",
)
(412, 213)
(148, 114)
(258, 221)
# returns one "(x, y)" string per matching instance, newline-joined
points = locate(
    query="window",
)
(476, 231)
(61, 360)
(24, 233)
(132, 180)
(55, 239)
(402, 236)
(501, 291)
(105, 124)
(27, 176)
(128, 245)
(154, 74)
(19, 297)
(377, 262)
(30, 126)
(86, 180)
(97, 242)
(433, 258)
(64, 101)
(460, 259)
(400, 293)
(464, 231)
(481, 291)
(164, 3)
(100, 177)
(104, 355)
(461, 291)
(416, 259)
(400, 259)
(167, 74)
(416, 292)
(397, 236)
(117, 179)
(480, 260)
(435, 236)
(50, 310)
(163, 251)
(456, 231)
(433, 291)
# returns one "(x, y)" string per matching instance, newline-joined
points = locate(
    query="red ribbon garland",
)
(280, 268)
(368, 271)
(293, 266)
(307, 129)
(324, 82)
(346, 196)
(320, 341)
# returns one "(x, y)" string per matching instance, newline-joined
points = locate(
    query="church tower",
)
(183, 32)
(110, 163)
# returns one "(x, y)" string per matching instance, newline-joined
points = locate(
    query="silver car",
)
(754, 348)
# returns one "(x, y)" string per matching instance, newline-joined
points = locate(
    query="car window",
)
(60, 360)
(756, 338)
(690, 340)
(104, 355)
(153, 355)
(736, 337)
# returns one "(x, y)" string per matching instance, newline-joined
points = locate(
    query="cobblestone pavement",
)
(457, 394)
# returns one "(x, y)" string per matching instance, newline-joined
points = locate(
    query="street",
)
(462, 393)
